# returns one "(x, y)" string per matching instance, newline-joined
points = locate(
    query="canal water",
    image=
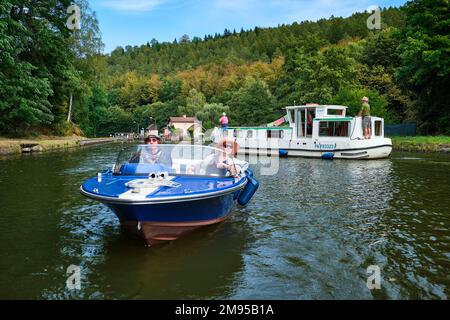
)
(310, 232)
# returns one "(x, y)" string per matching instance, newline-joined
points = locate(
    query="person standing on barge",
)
(366, 120)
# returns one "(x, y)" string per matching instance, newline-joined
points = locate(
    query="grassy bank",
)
(422, 143)
(45, 143)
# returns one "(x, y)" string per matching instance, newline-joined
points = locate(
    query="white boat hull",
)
(376, 148)
(378, 152)
(316, 132)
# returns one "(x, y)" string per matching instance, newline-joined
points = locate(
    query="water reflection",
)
(201, 266)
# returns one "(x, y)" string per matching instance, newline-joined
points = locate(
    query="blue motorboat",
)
(161, 192)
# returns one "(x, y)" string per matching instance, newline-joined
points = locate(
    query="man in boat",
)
(153, 154)
(366, 120)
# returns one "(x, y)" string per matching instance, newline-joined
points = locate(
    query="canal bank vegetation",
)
(53, 79)
(422, 143)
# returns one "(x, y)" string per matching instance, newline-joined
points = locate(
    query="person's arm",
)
(233, 166)
(360, 112)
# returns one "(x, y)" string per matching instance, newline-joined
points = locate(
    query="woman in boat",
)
(222, 163)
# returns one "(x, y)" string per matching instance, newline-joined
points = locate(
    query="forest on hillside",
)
(47, 70)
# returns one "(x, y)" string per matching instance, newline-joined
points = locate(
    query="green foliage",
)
(143, 116)
(163, 111)
(379, 79)
(194, 103)
(259, 44)
(252, 104)
(42, 64)
(404, 69)
(380, 48)
(318, 76)
(425, 46)
(211, 113)
(425, 62)
(98, 111)
(115, 120)
(28, 73)
(171, 89)
(351, 97)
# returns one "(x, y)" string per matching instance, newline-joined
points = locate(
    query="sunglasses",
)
(227, 145)
(153, 140)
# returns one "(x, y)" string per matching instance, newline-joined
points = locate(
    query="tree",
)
(163, 110)
(116, 120)
(379, 79)
(381, 49)
(171, 89)
(210, 114)
(425, 62)
(35, 65)
(253, 104)
(318, 76)
(88, 40)
(98, 111)
(194, 103)
(144, 116)
(351, 97)
(185, 39)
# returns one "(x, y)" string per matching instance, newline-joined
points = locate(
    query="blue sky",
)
(134, 22)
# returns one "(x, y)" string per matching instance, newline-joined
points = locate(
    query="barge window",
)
(310, 115)
(249, 134)
(278, 134)
(291, 116)
(378, 128)
(299, 124)
(237, 133)
(334, 128)
(334, 112)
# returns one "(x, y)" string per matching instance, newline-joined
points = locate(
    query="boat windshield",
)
(179, 159)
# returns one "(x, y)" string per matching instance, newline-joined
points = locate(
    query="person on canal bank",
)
(366, 120)
(224, 122)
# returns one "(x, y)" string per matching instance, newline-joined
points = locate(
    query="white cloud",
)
(132, 5)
